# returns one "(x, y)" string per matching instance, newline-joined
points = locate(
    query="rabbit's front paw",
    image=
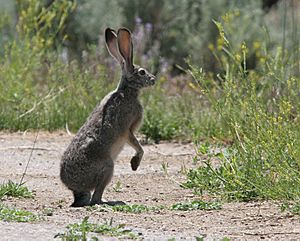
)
(135, 162)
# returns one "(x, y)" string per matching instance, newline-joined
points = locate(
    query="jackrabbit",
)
(88, 162)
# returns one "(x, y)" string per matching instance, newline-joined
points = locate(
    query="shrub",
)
(260, 111)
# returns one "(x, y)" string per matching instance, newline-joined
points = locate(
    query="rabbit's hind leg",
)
(81, 199)
(103, 179)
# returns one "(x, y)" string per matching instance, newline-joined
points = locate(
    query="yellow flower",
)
(256, 45)
(192, 86)
(244, 48)
(226, 18)
(220, 43)
(211, 47)
(238, 57)
(237, 13)
(262, 60)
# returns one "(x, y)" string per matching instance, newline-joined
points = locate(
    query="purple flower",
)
(148, 27)
(138, 20)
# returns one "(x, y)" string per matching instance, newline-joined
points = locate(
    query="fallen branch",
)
(29, 159)
(26, 148)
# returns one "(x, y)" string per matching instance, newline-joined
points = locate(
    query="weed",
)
(117, 187)
(171, 239)
(158, 124)
(206, 151)
(293, 208)
(48, 211)
(183, 169)
(164, 167)
(77, 231)
(140, 208)
(99, 208)
(12, 189)
(17, 215)
(225, 239)
(81, 231)
(134, 208)
(196, 205)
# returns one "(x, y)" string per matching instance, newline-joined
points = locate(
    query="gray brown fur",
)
(88, 162)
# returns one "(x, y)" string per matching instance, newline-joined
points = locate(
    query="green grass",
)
(117, 187)
(84, 230)
(181, 117)
(65, 96)
(141, 208)
(136, 208)
(196, 205)
(9, 214)
(293, 208)
(132, 208)
(12, 189)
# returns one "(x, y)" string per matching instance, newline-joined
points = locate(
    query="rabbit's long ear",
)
(126, 47)
(112, 44)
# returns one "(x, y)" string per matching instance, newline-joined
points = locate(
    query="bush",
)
(260, 111)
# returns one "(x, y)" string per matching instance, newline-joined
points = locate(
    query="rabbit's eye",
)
(142, 72)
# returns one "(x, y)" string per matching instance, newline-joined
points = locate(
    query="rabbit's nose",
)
(152, 80)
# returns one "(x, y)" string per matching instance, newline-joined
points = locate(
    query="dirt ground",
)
(148, 186)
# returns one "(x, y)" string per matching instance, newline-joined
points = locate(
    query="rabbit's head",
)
(120, 47)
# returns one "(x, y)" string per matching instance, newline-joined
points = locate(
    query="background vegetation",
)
(226, 70)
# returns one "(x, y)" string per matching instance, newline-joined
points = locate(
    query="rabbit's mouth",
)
(150, 80)
(144, 83)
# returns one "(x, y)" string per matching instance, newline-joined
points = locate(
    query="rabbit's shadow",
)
(114, 203)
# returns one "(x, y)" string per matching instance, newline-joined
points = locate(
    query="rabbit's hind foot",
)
(81, 199)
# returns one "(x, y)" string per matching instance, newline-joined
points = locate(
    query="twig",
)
(29, 111)
(29, 159)
(67, 129)
(25, 148)
(49, 97)
(239, 138)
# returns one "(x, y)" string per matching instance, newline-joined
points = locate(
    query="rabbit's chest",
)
(117, 147)
(121, 113)
(131, 110)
